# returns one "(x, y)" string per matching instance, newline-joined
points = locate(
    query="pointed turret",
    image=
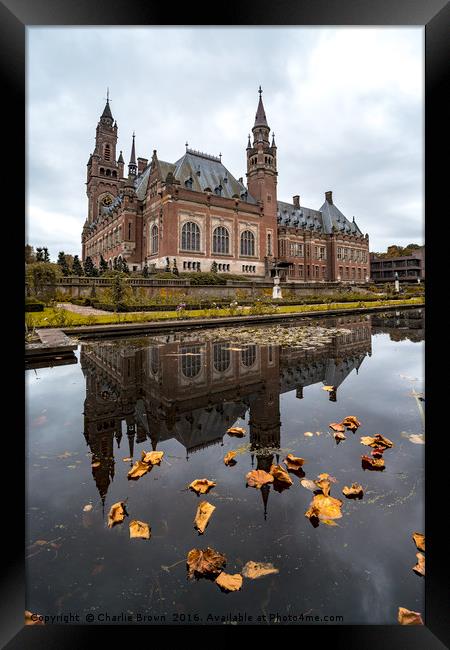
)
(132, 165)
(260, 119)
(107, 115)
(120, 158)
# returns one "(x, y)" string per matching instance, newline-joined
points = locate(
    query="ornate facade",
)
(196, 213)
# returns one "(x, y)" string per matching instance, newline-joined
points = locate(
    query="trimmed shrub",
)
(31, 304)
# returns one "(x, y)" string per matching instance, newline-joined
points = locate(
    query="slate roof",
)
(332, 216)
(321, 220)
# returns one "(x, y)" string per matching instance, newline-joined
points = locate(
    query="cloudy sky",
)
(346, 106)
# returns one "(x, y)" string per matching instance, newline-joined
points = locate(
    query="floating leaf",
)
(419, 541)
(293, 462)
(372, 463)
(204, 512)
(253, 570)
(419, 568)
(201, 485)
(417, 438)
(407, 617)
(324, 508)
(127, 459)
(139, 529)
(205, 562)
(95, 464)
(338, 436)
(258, 477)
(139, 469)
(229, 582)
(228, 459)
(280, 475)
(152, 457)
(237, 432)
(308, 484)
(351, 422)
(32, 619)
(116, 514)
(353, 492)
(377, 441)
(88, 507)
(377, 452)
(330, 389)
(309, 434)
(337, 426)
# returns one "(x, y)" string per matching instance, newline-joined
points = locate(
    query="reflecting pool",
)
(88, 423)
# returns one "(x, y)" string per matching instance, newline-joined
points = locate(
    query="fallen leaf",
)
(228, 459)
(32, 619)
(308, 484)
(253, 570)
(205, 562)
(88, 507)
(237, 432)
(419, 541)
(330, 389)
(229, 582)
(336, 426)
(377, 452)
(407, 617)
(353, 492)
(338, 436)
(258, 477)
(201, 485)
(351, 422)
(139, 469)
(372, 463)
(139, 529)
(280, 475)
(309, 434)
(152, 457)
(419, 568)
(293, 462)
(40, 542)
(96, 464)
(116, 514)
(324, 508)
(377, 441)
(204, 512)
(127, 459)
(416, 438)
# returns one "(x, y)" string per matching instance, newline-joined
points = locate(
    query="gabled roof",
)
(321, 220)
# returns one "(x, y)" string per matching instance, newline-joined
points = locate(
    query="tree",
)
(41, 279)
(62, 263)
(118, 291)
(103, 265)
(30, 255)
(39, 254)
(77, 269)
(145, 270)
(90, 270)
(214, 267)
(46, 255)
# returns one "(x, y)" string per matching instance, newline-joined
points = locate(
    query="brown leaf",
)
(351, 422)
(338, 436)
(237, 432)
(419, 568)
(204, 512)
(205, 562)
(258, 477)
(139, 469)
(336, 426)
(308, 484)
(407, 617)
(253, 570)
(280, 475)
(152, 457)
(116, 514)
(324, 508)
(377, 452)
(323, 482)
(372, 463)
(293, 462)
(139, 529)
(201, 485)
(228, 459)
(377, 441)
(229, 582)
(353, 492)
(31, 619)
(419, 541)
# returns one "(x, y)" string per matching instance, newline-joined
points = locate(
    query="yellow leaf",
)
(351, 422)
(407, 617)
(127, 459)
(353, 492)
(229, 582)
(255, 570)
(228, 459)
(152, 457)
(258, 477)
(139, 469)
(280, 474)
(201, 485)
(293, 462)
(308, 434)
(139, 529)
(336, 426)
(116, 514)
(330, 389)
(205, 562)
(324, 507)
(419, 568)
(419, 541)
(377, 441)
(204, 512)
(372, 463)
(237, 432)
(338, 436)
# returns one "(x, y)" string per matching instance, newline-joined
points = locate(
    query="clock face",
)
(107, 200)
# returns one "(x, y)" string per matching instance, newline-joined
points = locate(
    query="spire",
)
(260, 119)
(107, 110)
(120, 159)
(249, 144)
(273, 140)
(132, 166)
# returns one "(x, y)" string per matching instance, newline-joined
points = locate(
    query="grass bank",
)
(58, 317)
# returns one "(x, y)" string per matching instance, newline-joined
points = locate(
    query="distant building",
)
(194, 211)
(409, 267)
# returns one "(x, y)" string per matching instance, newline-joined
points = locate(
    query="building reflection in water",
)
(194, 390)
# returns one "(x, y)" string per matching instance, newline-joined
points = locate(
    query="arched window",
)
(108, 172)
(107, 152)
(221, 240)
(247, 243)
(248, 355)
(190, 237)
(154, 238)
(191, 360)
(269, 244)
(222, 356)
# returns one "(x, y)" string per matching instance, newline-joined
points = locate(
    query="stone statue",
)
(276, 291)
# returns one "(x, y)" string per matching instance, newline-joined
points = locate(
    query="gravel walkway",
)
(83, 311)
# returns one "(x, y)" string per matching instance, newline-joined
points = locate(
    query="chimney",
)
(142, 164)
(329, 197)
(296, 200)
(241, 180)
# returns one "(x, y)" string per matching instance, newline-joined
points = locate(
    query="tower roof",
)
(260, 119)
(107, 111)
(133, 153)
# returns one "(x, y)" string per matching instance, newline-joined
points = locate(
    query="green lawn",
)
(63, 318)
